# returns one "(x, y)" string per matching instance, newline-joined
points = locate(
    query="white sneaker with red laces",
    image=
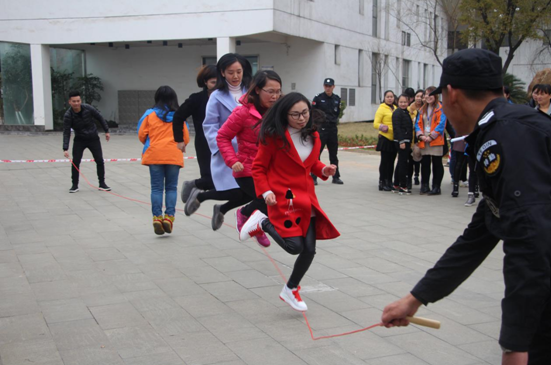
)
(253, 226)
(292, 297)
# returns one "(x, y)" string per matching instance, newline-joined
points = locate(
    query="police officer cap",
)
(471, 69)
(329, 81)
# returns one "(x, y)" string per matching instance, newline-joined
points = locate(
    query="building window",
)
(337, 54)
(352, 97)
(360, 67)
(344, 95)
(406, 39)
(374, 22)
(253, 60)
(374, 78)
(425, 76)
(405, 73)
(362, 7)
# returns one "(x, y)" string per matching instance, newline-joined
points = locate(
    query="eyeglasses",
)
(296, 116)
(272, 92)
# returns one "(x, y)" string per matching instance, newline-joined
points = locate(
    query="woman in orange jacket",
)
(162, 155)
(429, 129)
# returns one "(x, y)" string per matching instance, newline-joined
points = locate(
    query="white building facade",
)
(135, 46)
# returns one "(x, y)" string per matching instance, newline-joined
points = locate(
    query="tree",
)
(90, 86)
(516, 87)
(500, 23)
(17, 83)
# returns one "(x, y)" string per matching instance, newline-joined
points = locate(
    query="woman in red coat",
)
(287, 153)
(243, 123)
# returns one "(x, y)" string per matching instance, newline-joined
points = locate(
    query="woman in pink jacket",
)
(244, 123)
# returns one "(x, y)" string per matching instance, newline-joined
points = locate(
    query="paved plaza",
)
(85, 281)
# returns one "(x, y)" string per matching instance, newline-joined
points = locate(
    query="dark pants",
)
(458, 166)
(94, 146)
(437, 170)
(330, 137)
(413, 168)
(247, 186)
(304, 247)
(461, 167)
(386, 167)
(404, 155)
(235, 198)
(540, 353)
(204, 183)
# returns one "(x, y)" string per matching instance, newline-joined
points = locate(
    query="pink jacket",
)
(241, 124)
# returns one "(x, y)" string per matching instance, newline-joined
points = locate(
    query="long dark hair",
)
(206, 73)
(259, 81)
(226, 61)
(166, 100)
(275, 122)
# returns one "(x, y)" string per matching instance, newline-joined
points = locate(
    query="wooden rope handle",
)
(424, 322)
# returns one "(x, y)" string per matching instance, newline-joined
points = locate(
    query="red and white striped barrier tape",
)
(139, 159)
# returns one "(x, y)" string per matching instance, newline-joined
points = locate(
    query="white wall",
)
(528, 60)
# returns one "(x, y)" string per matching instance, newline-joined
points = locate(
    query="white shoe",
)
(292, 297)
(253, 226)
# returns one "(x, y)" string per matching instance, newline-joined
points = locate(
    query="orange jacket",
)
(437, 126)
(158, 138)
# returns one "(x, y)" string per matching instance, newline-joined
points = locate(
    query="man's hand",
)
(329, 170)
(394, 314)
(237, 167)
(107, 137)
(66, 154)
(181, 146)
(514, 358)
(271, 199)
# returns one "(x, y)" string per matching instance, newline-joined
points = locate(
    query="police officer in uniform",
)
(511, 145)
(330, 104)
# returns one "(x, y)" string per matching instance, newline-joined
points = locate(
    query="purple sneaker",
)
(263, 240)
(240, 220)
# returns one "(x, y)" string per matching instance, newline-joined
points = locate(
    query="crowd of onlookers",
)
(415, 137)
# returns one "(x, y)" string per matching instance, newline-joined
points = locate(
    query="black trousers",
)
(205, 182)
(404, 155)
(94, 145)
(330, 137)
(437, 170)
(247, 186)
(386, 167)
(235, 198)
(304, 247)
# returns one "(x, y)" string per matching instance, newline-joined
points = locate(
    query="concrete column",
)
(224, 45)
(42, 86)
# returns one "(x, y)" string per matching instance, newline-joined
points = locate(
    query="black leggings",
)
(460, 165)
(437, 169)
(404, 155)
(247, 186)
(386, 167)
(304, 247)
(204, 183)
(94, 146)
(235, 198)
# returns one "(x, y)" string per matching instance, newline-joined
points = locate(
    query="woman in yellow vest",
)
(385, 144)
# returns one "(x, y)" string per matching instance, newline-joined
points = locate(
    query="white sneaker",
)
(253, 226)
(292, 297)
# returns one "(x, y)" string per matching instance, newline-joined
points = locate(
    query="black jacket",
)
(511, 146)
(330, 105)
(82, 123)
(195, 106)
(402, 126)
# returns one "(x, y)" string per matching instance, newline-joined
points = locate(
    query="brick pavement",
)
(84, 280)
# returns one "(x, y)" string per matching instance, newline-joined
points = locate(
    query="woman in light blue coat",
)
(234, 73)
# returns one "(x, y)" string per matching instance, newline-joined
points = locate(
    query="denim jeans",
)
(164, 178)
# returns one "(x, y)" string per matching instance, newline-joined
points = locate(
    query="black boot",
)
(455, 192)
(387, 186)
(380, 185)
(416, 180)
(435, 191)
(424, 189)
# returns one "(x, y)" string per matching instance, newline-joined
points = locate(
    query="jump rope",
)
(416, 320)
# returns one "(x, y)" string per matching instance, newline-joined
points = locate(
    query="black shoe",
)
(416, 180)
(380, 185)
(470, 200)
(104, 187)
(435, 191)
(424, 189)
(315, 178)
(395, 188)
(73, 188)
(455, 192)
(404, 191)
(337, 181)
(409, 185)
(387, 186)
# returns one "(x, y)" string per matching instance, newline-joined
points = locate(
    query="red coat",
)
(241, 124)
(283, 172)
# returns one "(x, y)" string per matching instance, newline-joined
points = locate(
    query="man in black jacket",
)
(516, 208)
(80, 117)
